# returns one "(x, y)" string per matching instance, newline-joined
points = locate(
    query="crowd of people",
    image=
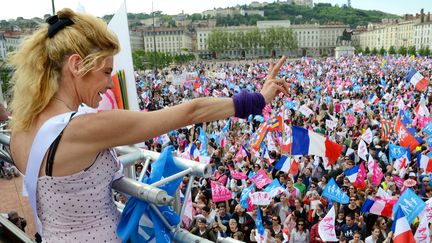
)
(349, 97)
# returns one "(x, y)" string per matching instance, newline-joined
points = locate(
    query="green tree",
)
(402, 50)
(138, 59)
(374, 51)
(358, 50)
(367, 50)
(411, 50)
(424, 51)
(392, 50)
(382, 51)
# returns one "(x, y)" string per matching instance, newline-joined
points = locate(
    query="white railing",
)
(128, 184)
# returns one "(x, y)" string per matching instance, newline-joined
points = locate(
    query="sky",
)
(37, 8)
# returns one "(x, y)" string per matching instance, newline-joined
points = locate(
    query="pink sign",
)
(238, 175)
(219, 192)
(261, 179)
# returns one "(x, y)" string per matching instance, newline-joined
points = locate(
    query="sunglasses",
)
(300, 224)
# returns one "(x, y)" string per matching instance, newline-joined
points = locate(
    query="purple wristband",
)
(246, 104)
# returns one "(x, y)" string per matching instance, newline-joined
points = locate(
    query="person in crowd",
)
(300, 234)
(348, 229)
(202, 231)
(373, 238)
(61, 70)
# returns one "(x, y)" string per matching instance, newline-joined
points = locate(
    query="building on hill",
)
(307, 3)
(223, 12)
(3, 49)
(246, 12)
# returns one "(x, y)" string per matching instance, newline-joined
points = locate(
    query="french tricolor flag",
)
(378, 207)
(306, 142)
(352, 173)
(416, 79)
(373, 99)
(194, 152)
(401, 228)
(424, 162)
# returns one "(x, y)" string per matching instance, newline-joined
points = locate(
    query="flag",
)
(326, 227)
(219, 192)
(352, 173)
(238, 175)
(401, 229)
(396, 152)
(204, 140)
(416, 79)
(283, 164)
(305, 110)
(376, 171)
(421, 108)
(361, 175)
(258, 136)
(242, 152)
(123, 59)
(422, 234)
(428, 129)
(274, 188)
(245, 196)
(306, 142)
(188, 214)
(194, 153)
(367, 136)
(260, 179)
(224, 133)
(378, 207)
(373, 99)
(260, 198)
(424, 162)
(260, 235)
(427, 212)
(275, 123)
(138, 223)
(333, 192)
(386, 127)
(411, 205)
(362, 150)
(401, 164)
(406, 133)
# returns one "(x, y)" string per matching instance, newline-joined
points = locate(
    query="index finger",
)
(276, 68)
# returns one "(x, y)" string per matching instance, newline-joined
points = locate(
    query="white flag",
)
(306, 111)
(427, 212)
(367, 136)
(422, 234)
(326, 228)
(330, 124)
(362, 150)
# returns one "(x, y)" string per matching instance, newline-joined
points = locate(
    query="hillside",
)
(322, 13)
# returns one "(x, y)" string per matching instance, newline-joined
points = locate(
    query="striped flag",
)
(416, 79)
(401, 228)
(386, 127)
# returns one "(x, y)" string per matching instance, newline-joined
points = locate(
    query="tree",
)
(392, 50)
(367, 50)
(358, 50)
(138, 59)
(411, 50)
(402, 50)
(374, 51)
(382, 51)
(424, 51)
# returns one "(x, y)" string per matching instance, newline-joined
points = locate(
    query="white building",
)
(273, 23)
(387, 35)
(308, 3)
(423, 35)
(221, 12)
(3, 49)
(246, 12)
(169, 40)
(136, 39)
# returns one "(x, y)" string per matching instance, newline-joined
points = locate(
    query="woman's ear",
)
(74, 63)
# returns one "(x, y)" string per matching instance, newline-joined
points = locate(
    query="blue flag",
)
(333, 192)
(411, 205)
(138, 222)
(428, 129)
(395, 152)
(204, 140)
(273, 185)
(245, 195)
(259, 225)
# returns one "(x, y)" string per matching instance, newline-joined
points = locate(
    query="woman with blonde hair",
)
(64, 147)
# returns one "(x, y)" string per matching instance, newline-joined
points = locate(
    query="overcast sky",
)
(37, 8)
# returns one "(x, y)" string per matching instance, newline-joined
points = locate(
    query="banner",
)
(333, 192)
(179, 79)
(219, 192)
(422, 234)
(306, 111)
(238, 175)
(376, 171)
(123, 59)
(260, 198)
(427, 212)
(362, 150)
